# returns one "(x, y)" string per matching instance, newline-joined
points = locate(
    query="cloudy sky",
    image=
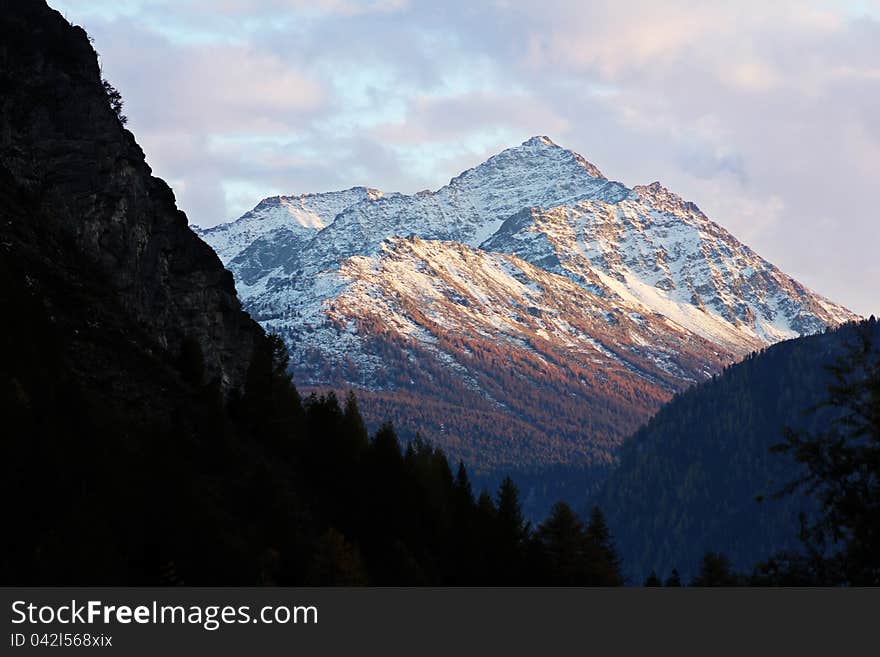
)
(766, 114)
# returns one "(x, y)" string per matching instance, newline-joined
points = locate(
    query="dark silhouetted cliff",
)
(82, 210)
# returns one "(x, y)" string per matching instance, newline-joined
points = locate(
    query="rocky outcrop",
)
(82, 210)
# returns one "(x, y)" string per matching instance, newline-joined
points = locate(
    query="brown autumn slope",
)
(498, 377)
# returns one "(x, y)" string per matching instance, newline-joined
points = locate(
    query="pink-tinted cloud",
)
(208, 88)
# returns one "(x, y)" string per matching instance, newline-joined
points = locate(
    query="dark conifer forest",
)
(716, 468)
(266, 488)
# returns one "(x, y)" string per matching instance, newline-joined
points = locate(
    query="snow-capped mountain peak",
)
(528, 278)
(537, 154)
(537, 173)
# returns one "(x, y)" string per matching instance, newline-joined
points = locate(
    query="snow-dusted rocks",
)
(278, 226)
(658, 253)
(530, 312)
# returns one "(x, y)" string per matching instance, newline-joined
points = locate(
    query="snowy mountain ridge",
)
(302, 215)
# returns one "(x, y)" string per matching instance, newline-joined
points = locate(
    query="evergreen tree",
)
(486, 506)
(715, 570)
(271, 403)
(463, 483)
(511, 532)
(509, 513)
(115, 99)
(353, 425)
(607, 566)
(565, 546)
(674, 579)
(653, 580)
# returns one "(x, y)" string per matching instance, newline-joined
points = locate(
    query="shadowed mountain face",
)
(121, 335)
(82, 210)
(528, 314)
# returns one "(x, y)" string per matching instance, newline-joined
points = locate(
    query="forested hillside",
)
(689, 481)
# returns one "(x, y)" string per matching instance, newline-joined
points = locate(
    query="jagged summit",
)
(544, 142)
(539, 140)
(542, 151)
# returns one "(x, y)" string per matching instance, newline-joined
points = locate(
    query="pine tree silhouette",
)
(653, 580)
(674, 579)
(607, 565)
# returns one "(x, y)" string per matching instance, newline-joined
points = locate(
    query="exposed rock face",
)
(82, 208)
